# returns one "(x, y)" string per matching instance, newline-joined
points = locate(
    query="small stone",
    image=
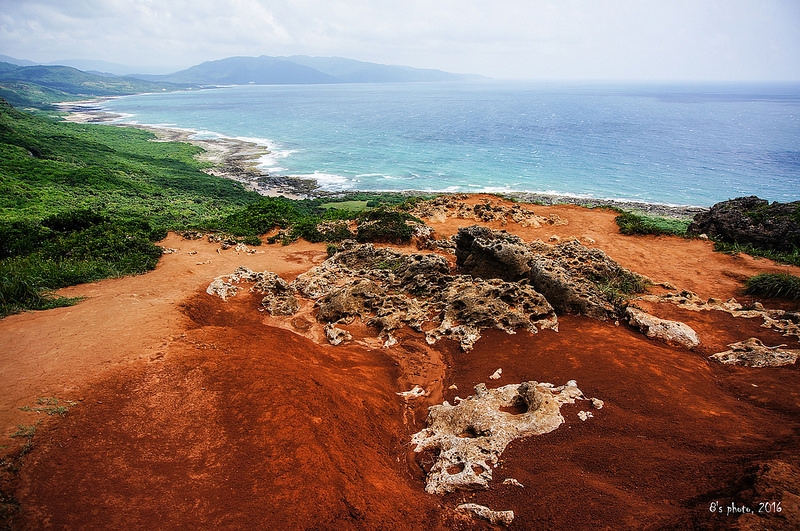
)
(496, 375)
(512, 481)
(453, 387)
(583, 415)
(597, 403)
(494, 517)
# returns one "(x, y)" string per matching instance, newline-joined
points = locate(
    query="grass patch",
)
(635, 223)
(50, 405)
(351, 206)
(792, 258)
(774, 285)
(26, 432)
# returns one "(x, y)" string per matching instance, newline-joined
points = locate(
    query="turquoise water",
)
(683, 145)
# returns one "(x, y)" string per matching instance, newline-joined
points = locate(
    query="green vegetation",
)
(82, 202)
(39, 86)
(636, 223)
(27, 433)
(774, 285)
(792, 258)
(51, 405)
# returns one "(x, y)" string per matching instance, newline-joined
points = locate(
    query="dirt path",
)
(194, 412)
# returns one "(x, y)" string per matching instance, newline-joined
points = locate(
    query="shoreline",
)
(237, 159)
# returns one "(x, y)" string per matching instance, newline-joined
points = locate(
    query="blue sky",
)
(508, 39)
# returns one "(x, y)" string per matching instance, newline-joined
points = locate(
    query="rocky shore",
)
(238, 160)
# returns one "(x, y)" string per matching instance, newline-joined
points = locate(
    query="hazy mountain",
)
(95, 67)
(15, 61)
(39, 85)
(299, 70)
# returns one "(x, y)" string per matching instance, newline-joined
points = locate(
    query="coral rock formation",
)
(468, 438)
(673, 332)
(753, 353)
(494, 517)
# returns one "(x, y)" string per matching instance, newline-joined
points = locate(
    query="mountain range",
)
(28, 84)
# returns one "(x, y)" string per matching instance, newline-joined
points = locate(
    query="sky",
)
(704, 40)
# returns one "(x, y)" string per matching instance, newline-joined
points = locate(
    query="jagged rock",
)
(673, 332)
(597, 403)
(345, 303)
(281, 297)
(486, 253)
(512, 481)
(496, 374)
(336, 335)
(444, 206)
(470, 305)
(468, 438)
(494, 517)
(750, 220)
(222, 289)
(753, 353)
(585, 415)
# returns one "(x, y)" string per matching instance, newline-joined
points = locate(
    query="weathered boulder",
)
(356, 299)
(486, 253)
(673, 332)
(280, 297)
(470, 305)
(751, 220)
(581, 280)
(753, 353)
(466, 439)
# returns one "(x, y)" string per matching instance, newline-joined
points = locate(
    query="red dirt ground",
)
(196, 413)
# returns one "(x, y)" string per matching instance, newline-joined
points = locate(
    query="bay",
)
(671, 144)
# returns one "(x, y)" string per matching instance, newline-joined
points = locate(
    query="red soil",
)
(197, 413)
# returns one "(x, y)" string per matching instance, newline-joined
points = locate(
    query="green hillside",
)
(38, 86)
(80, 202)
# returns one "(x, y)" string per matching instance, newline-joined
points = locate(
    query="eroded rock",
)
(673, 332)
(486, 253)
(753, 353)
(468, 438)
(494, 517)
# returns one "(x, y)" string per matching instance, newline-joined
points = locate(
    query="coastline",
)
(237, 159)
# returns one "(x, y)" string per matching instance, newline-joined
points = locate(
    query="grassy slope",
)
(84, 202)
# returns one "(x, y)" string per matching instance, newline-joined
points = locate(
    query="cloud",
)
(611, 39)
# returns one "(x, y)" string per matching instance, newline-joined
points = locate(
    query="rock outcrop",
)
(750, 220)
(465, 440)
(753, 353)
(572, 277)
(673, 332)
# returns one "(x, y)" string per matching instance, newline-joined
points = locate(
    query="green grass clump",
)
(792, 258)
(385, 225)
(634, 223)
(774, 285)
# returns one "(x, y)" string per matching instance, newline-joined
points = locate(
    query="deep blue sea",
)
(673, 144)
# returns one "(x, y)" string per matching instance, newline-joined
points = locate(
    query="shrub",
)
(632, 223)
(383, 225)
(774, 285)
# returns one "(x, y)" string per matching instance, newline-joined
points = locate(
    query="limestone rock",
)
(336, 336)
(280, 296)
(222, 289)
(468, 438)
(485, 253)
(514, 482)
(753, 353)
(673, 332)
(469, 305)
(494, 517)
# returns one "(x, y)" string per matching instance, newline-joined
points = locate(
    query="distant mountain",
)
(39, 85)
(266, 70)
(15, 61)
(95, 67)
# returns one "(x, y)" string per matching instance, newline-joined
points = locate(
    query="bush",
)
(260, 217)
(774, 285)
(383, 225)
(632, 223)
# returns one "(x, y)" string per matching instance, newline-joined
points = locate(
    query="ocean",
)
(670, 144)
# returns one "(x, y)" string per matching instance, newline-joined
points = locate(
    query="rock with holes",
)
(466, 440)
(673, 332)
(486, 253)
(494, 517)
(280, 297)
(335, 335)
(753, 353)
(221, 288)
(470, 305)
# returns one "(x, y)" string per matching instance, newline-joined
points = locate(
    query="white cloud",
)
(675, 39)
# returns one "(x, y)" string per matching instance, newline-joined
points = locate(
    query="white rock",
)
(495, 517)
(668, 331)
(583, 415)
(496, 374)
(512, 481)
